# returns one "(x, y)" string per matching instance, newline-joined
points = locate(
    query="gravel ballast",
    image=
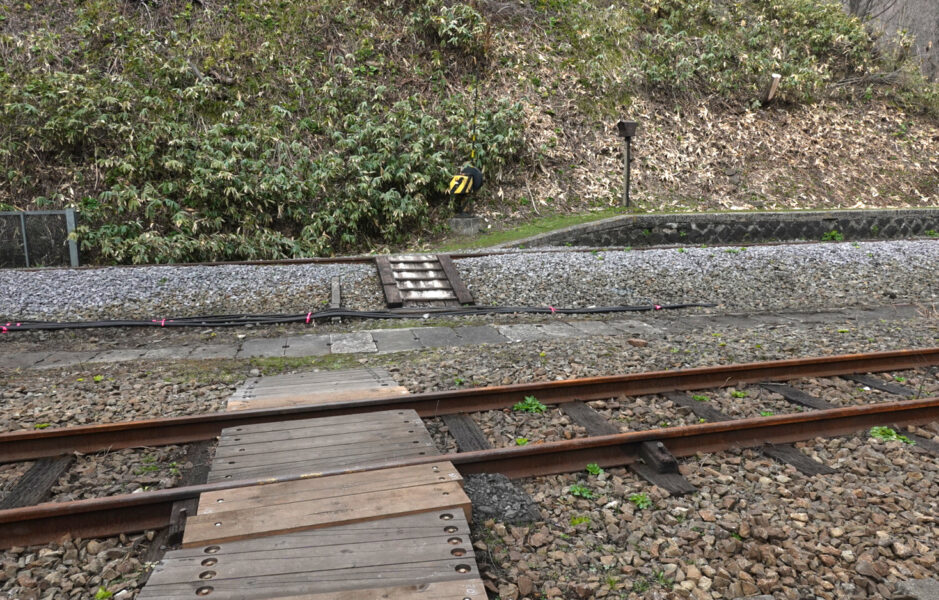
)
(736, 278)
(178, 291)
(754, 278)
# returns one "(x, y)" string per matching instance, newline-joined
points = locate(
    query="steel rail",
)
(29, 445)
(370, 258)
(150, 510)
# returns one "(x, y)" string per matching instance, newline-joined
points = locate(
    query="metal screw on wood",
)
(626, 130)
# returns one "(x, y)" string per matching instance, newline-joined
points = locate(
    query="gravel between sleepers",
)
(105, 393)
(755, 526)
(121, 472)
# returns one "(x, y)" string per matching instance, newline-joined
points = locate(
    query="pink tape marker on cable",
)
(308, 315)
(553, 310)
(657, 306)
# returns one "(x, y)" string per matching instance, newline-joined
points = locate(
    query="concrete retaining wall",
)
(738, 228)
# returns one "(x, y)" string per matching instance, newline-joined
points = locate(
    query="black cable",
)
(329, 313)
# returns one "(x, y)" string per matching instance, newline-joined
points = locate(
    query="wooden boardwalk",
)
(316, 445)
(407, 552)
(395, 533)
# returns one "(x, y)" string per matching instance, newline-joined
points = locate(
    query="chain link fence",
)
(37, 239)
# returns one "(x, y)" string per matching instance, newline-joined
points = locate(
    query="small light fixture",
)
(626, 130)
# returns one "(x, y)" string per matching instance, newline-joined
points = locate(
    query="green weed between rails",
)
(889, 435)
(833, 236)
(580, 491)
(641, 501)
(530, 405)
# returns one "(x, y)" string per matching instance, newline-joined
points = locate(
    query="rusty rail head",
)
(148, 510)
(28, 445)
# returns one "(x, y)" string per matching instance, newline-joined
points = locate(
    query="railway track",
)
(652, 450)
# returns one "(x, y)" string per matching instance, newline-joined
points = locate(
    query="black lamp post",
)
(626, 130)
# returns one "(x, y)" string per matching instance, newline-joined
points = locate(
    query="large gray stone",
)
(262, 348)
(466, 225)
(22, 360)
(595, 327)
(118, 356)
(351, 343)
(395, 340)
(170, 353)
(633, 327)
(436, 337)
(560, 330)
(215, 351)
(917, 589)
(64, 359)
(523, 332)
(307, 345)
(479, 334)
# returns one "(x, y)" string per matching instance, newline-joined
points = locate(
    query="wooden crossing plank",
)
(436, 284)
(302, 387)
(463, 294)
(429, 265)
(409, 258)
(375, 373)
(239, 440)
(419, 275)
(315, 445)
(408, 552)
(378, 418)
(386, 274)
(325, 441)
(270, 517)
(308, 399)
(332, 486)
(466, 432)
(315, 388)
(425, 295)
(292, 463)
(466, 589)
(320, 377)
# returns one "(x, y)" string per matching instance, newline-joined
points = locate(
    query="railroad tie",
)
(658, 466)
(785, 453)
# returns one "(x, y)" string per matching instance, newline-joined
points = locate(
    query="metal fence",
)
(37, 239)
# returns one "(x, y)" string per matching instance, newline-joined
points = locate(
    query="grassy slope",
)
(270, 128)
